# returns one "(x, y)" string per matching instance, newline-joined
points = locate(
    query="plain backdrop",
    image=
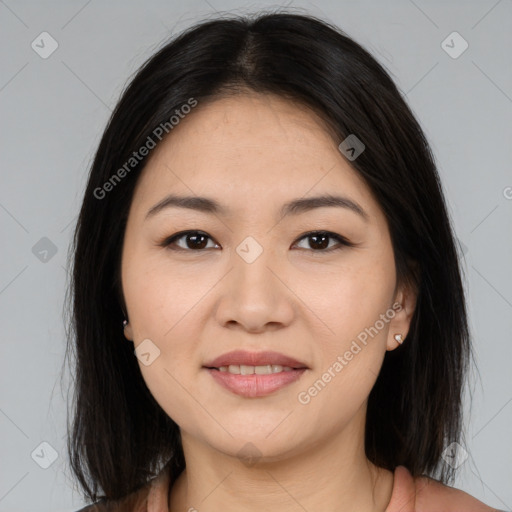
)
(54, 108)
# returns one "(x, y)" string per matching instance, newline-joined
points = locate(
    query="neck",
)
(333, 475)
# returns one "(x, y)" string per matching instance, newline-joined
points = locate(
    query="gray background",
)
(54, 110)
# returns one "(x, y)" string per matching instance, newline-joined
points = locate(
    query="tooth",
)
(245, 369)
(263, 370)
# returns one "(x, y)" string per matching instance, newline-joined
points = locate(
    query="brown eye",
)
(193, 240)
(319, 241)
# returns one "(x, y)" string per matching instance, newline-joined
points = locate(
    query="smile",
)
(250, 370)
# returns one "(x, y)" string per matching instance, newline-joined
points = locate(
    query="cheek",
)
(332, 397)
(350, 360)
(353, 305)
(158, 297)
(169, 387)
(161, 314)
(351, 301)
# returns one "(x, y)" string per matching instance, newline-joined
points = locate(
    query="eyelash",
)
(167, 242)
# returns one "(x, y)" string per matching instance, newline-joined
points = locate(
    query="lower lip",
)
(254, 385)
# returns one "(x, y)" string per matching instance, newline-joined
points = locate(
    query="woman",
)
(267, 299)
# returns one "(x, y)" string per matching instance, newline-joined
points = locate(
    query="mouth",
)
(245, 361)
(255, 374)
(267, 369)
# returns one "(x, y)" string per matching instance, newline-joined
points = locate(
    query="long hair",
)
(120, 436)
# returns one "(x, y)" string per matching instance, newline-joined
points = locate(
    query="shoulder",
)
(152, 497)
(433, 495)
(133, 502)
(95, 507)
(424, 494)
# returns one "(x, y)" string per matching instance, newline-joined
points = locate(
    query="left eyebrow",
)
(294, 207)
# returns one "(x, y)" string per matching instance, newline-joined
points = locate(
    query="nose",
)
(254, 295)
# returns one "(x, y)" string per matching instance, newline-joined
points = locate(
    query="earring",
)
(125, 323)
(398, 338)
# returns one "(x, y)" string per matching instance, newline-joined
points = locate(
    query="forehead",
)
(250, 150)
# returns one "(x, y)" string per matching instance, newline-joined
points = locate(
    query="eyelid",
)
(167, 241)
(342, 241)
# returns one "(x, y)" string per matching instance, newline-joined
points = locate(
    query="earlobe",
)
(128, 334)
(399, 326)
(395, 340)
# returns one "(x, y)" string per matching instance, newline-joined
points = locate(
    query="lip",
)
(238, 357)
(253, 386)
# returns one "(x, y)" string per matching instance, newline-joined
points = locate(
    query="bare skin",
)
(252, 154)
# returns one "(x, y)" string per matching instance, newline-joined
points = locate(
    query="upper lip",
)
(243, 357)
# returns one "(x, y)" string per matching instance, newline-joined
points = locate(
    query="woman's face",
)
(252, 279)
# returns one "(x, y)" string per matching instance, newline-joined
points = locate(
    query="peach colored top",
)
(424, 494)
(420, 494)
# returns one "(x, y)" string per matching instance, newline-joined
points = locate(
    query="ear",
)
(128, 332)
(404, 304)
